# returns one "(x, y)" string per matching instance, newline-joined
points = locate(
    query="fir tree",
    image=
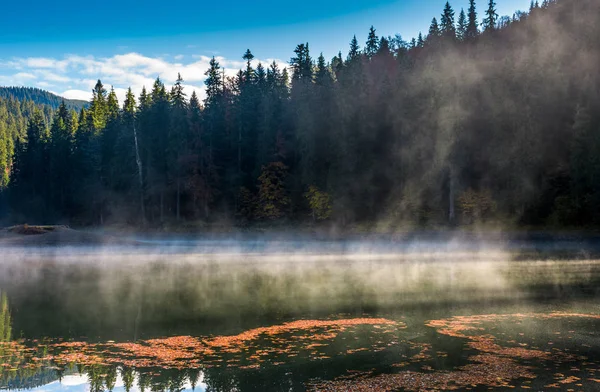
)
(354, 51)
(302, 63)
(214, 83)
(372, 45)
(448, 29)
(461, 32)
(473, 24)
(420, 40)
(434, 31)
(322, 75)
(489, 23)
(98, 107)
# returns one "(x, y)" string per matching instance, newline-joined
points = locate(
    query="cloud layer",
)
(74, 76)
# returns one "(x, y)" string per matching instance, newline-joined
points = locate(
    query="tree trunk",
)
(138, 161)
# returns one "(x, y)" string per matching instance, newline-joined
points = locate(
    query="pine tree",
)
(214, 83)
(448, 28)
(372, 45)
(473, 24)
(420, 40)
(354, 51)
(302, 64)
(322, 75)
(249, 72)
(489, 23)
(178, 139)
(157, 137)
(198, 165)
(261, 78)
(62, 133)
(31, 180)
(461, 32)
(108, 141)
(434, 31)
(384, 46)
(98, 108)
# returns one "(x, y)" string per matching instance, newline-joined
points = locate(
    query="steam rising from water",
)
(137, 288)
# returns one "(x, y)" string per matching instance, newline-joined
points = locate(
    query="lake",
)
(413, 312)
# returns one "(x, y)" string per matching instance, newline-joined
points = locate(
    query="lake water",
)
(426, 313)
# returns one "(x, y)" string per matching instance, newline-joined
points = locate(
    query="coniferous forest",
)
(462, 125)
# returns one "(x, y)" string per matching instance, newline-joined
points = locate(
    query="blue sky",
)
(65, 46)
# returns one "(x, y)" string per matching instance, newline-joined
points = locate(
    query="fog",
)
(181, 284)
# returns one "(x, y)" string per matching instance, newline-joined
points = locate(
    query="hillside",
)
(40, 97)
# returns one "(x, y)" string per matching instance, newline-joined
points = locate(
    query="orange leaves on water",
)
(491, 370)
(497, 366)
(242, 350)
(306, 325)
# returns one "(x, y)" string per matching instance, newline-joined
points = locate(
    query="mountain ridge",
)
(40, 96)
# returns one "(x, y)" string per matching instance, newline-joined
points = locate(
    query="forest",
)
(466, 124)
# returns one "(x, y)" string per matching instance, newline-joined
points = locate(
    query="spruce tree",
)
(473, 24)
(214, 83)
(98, 107)
(261, 78)
(420, 40)
(62, 134)
(489, 23)
(384, 46)
(461, 32)
(434, 31)
(322, 75)
(31, 183)
(448, 28)
(178, 139)
(249, 72)
(372, 45)
(354, 51)
(302, 64)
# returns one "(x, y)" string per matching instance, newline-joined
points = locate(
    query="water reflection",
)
(190, 323)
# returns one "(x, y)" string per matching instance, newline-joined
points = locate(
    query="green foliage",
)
(273, 197)
(5, 320)
(476, 206)
(319, 203)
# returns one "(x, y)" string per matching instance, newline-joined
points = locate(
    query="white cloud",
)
(44, 85)
(76, 75)
(24, 75)
(77, 94)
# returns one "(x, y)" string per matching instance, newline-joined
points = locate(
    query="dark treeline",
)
(468, 123)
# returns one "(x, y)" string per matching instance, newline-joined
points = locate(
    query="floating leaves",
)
(496, 366)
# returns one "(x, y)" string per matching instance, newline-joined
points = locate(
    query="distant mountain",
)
(41, 97)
